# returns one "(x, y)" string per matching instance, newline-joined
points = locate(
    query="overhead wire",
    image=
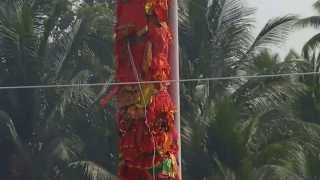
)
(157, 82)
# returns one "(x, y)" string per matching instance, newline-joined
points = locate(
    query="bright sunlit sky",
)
(267, 9)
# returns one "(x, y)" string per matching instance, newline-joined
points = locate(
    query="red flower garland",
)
(148, 140)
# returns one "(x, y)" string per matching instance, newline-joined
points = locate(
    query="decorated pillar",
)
(148, 146)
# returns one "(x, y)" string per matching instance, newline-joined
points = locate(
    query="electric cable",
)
(157, 82)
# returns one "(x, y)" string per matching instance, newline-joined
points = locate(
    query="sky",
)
(267, 9)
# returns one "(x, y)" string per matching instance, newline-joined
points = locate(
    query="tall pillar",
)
(174, 61)
(146, 49)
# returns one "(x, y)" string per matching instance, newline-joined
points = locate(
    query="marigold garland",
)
(148, 140)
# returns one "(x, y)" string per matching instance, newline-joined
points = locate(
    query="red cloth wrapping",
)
(159, 8)
(137, 144)
(160, 37)
(131, 19)
(146, 138)
(131, 173)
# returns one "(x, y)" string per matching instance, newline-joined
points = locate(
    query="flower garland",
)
(145, 117)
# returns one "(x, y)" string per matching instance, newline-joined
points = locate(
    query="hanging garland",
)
(145, 117)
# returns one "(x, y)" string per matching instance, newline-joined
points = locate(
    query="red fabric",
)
(143, 38)
(125, 71)
(131, 12)
(131, 173)
(161, 106)
(137, 145)
(130, 19)
(161, 9)
(160, 37)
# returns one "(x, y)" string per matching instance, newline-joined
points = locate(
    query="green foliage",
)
(85, 170)
(53, 42)
(256, 128)
(225, 139)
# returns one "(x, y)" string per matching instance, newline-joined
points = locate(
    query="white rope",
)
(134, 67)
(156, 82)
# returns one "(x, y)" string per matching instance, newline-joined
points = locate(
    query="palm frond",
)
(104, 89)
(280, 130)
(233, 32)
(17, 33)
(289, 155)
(224, 135)
(230, 39)
(80, 97)
(275, 32)
(55, 151)
(8, 130)
(63, 150)
(286, 149)
(260, 96)
(311, 45)
(193, 27)
(62, 49)
(313, 21)
(87, 170)
(223, 172)
(274, 172)
(46, 17)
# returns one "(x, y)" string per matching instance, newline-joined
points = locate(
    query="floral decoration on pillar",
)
(145, 112)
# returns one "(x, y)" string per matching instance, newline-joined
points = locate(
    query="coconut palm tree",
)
(246, 119)
(254, 134)
(274, 123)
(216, 38)
(46, 130)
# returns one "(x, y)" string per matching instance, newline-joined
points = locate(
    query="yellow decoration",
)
(144, 99)
(147, 57)
(149, 8)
